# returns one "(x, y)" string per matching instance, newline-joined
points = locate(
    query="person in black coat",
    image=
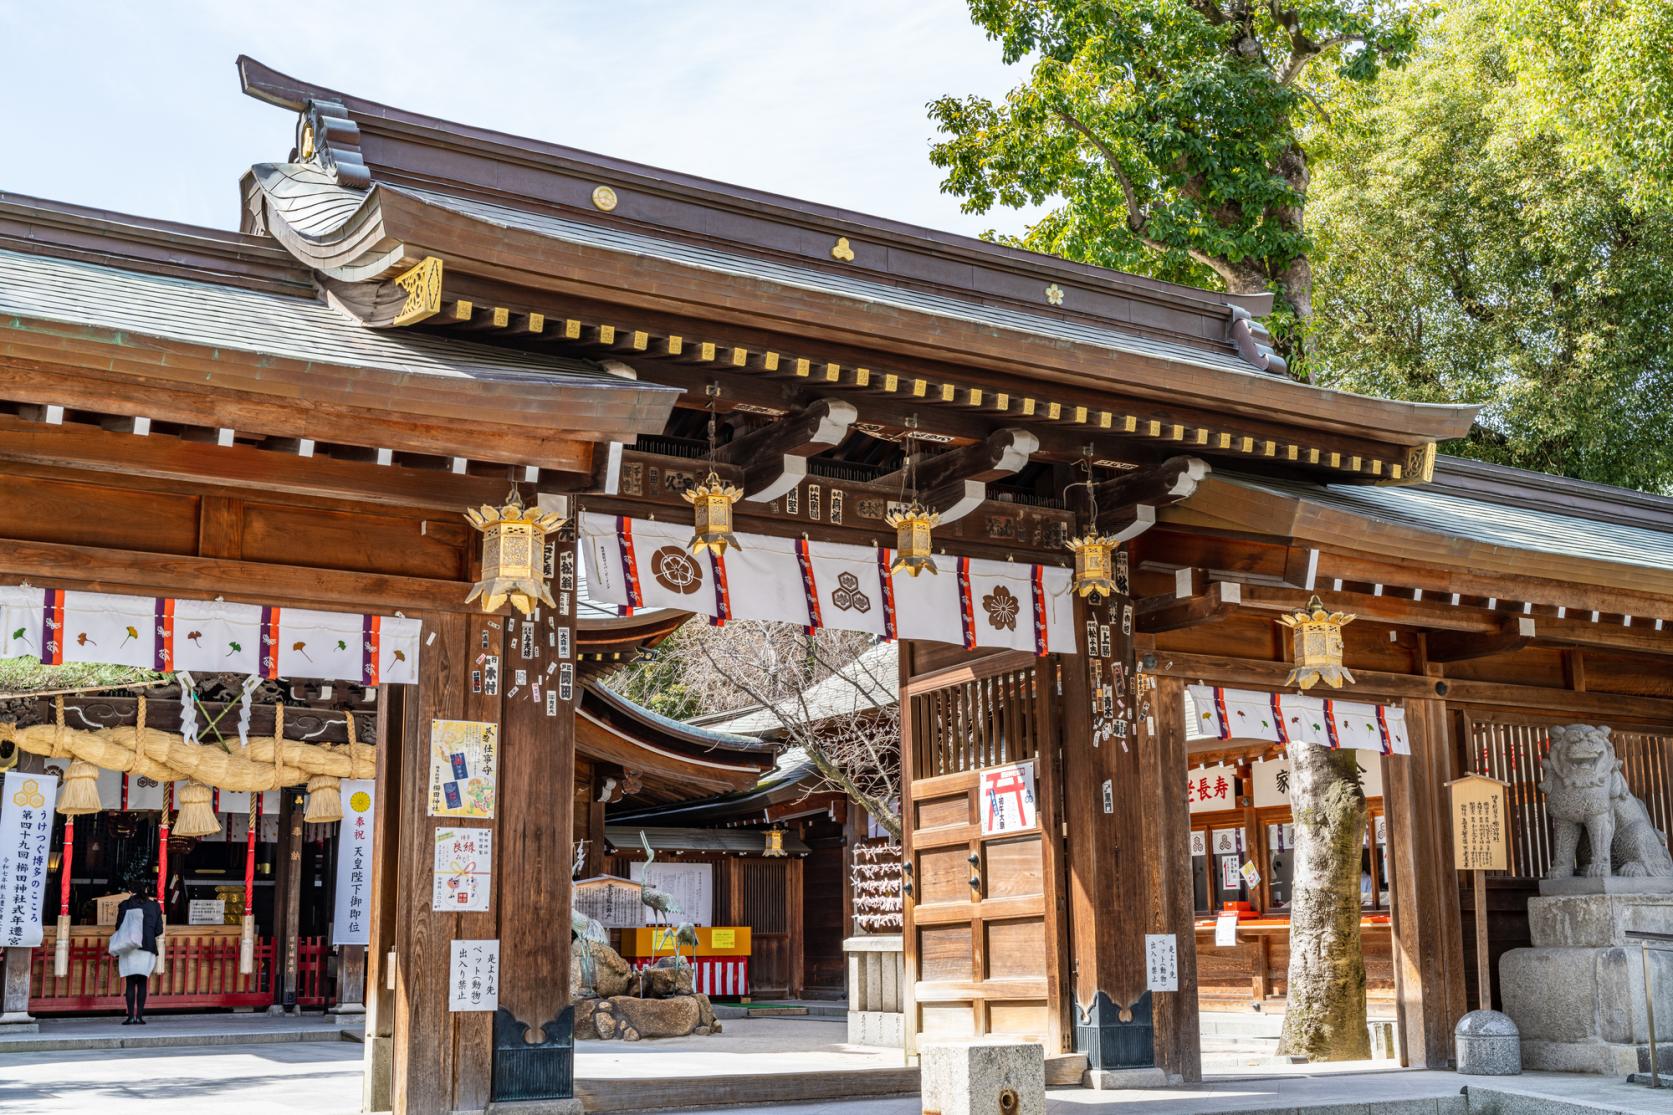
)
(137, 964)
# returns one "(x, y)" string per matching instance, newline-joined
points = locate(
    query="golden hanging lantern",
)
(775, 844)
(711, 503)
(1318, 646)
(1094, 564)
(913, 544)
(513, 554)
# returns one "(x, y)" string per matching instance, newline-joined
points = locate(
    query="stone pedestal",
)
(1577, 996)
(1488, 1045)
(983, 1078)
(876, 975)
(14, 993)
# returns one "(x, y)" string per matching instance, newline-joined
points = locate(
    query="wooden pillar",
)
(386, 870)
(14, 989)
(1428, 937)
(422, 1069)
(795, 876)
(533, 1038)
(1168, 882)
(351, 980)
(1108, 907)
(287, 898)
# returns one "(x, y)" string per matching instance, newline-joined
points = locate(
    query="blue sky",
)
(135, 106)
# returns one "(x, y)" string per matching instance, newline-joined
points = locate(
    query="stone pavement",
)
(305, 1074)
(107, 1032)
(279, 1078)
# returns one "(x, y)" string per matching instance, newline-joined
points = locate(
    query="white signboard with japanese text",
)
(691, 885)
(1211, 788)
(1272, 780)
(1161, 961)
(473, 982)
(464, 869)
(26, 802)
(1007, 799)
(1225, 931)
(206, 911)
(353, 922)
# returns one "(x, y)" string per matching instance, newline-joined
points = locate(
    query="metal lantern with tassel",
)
(1318, 646)
(775, 844)
(513, 547)
(913, 541)
(711, 503)
(1094, 564)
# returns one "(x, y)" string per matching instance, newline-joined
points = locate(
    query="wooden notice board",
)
(1480, 844)
(1479, 836)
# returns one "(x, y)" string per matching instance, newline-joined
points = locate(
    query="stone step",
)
(663, 1094)
(1611, 1098)
(658, 1094)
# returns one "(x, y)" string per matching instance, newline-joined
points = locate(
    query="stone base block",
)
(1597, 920)
(983, 1078)
(1602, 1058)
(875, 1027)
(1115, 1080)
(537, 1107)
(1612, 884)
(1583, 995)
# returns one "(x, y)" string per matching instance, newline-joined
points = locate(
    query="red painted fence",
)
(200, 972)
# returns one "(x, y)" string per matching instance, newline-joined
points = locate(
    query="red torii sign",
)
(1008, 799)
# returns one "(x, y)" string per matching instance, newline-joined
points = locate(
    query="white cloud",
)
(135, 107)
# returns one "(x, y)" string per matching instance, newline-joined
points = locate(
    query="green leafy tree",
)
(1168, 134)
(1599, 74)
(1468, 253)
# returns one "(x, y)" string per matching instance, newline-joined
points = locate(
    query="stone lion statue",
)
(1584, 788)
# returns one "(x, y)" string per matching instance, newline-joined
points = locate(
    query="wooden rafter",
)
(774, 457)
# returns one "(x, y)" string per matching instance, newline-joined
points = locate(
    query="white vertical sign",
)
(353, 923)
(26, 802)
(1007, 799)
(1161, 956)
(474, 976)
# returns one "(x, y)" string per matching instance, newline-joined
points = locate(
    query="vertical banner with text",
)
(26, 802)
(353, 923)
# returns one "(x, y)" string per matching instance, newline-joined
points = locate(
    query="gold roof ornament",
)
(1318, 646)
(711, 503)
(513, 545)
(1094, 564)
(913, 541)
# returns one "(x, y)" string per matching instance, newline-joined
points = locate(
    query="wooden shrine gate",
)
(983, 924)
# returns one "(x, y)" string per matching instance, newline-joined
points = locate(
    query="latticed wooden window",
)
(1512, 748)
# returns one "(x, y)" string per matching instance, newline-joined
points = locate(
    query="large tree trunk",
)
(1325, 1018)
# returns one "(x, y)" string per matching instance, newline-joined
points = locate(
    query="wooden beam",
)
(1165, 613)
(954, 484)
(775, 455)
(1371, 685)
(1437, 614)
(1457, 646)
(129, 571)
(1173, 480)
(78, 445)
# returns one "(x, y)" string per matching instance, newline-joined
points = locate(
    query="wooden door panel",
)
(981, 938)
(1014, 948)
(1015, 867)
(944, 953)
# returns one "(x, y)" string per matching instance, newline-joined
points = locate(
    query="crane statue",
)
(660, 902)
(588, 930)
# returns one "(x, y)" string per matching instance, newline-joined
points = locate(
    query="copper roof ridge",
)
(265, 84)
